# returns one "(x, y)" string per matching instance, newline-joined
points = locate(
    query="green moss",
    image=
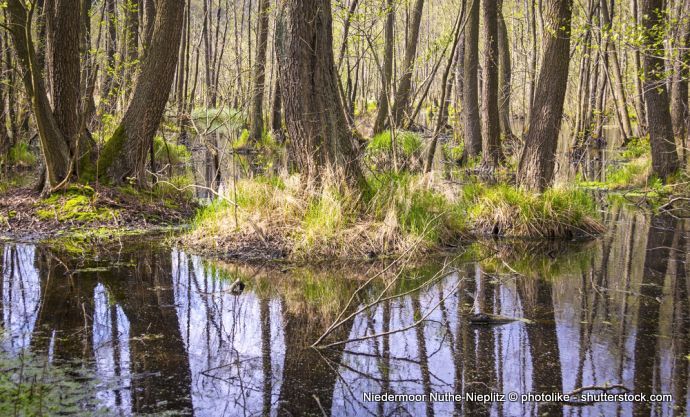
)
(111, 150)
(77, 204)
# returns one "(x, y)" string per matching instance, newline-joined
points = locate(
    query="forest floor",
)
(81, 209)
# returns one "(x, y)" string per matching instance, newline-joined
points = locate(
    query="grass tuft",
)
(277, 217)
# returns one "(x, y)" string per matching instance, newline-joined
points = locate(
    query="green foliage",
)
(636, 148)
(21, 155)
(326, 214)
(453, 152)
(169, 152)
(371, 106)
(631, 174)
(242, 141)
(418, 210)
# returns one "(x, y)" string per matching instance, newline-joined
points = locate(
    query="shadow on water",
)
(160, 331)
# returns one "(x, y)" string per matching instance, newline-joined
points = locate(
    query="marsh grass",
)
(280, 217)
(508, 211)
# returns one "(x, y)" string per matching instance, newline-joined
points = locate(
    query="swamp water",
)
(142, 329)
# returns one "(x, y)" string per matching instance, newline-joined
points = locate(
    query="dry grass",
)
(280, 218)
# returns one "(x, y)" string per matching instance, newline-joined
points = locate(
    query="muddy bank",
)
(25, 215)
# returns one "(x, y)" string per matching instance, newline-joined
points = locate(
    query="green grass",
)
(508, 211)
(408, 146)
(21, 155)
(408, 143)
(398, 212)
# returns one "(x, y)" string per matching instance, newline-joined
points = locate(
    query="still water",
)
(144, 329)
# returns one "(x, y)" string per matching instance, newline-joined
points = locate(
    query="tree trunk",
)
(637, 66)
(617, 88)
(66, 71)
(491, 144)
(681, 73)
(55, 144)
(131, 43)
(125, 154)
(276, 109)
(256, 115)
(504, 75)
(538, 159)
(446, 87)
(108, 92)
(387, 73)
(315, 120)
(5, 143)
(470, 97)
(664, 155)
(149, 19)
(402, 94)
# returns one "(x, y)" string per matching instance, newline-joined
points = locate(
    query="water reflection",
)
(163, 332)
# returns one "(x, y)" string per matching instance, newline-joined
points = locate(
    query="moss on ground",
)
(76, 204)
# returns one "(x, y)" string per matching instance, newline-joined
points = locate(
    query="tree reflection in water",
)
(163, 333)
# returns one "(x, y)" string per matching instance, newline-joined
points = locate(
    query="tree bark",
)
(538, 159)
(55, 145)
(403, 92)
(637, 67)
(504, 75)
(319, 136)
(125, 154)
(491, 144)
(149, 22)
(108, 92)
(664, 155)
(387, 73)
(66, 71)
(680, 115)
(470, 96)
(131, 43)
(256, 116)
(617, 89)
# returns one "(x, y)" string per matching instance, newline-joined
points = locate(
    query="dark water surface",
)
(145, 329)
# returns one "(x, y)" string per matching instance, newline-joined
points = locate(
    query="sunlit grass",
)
(399, 212)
